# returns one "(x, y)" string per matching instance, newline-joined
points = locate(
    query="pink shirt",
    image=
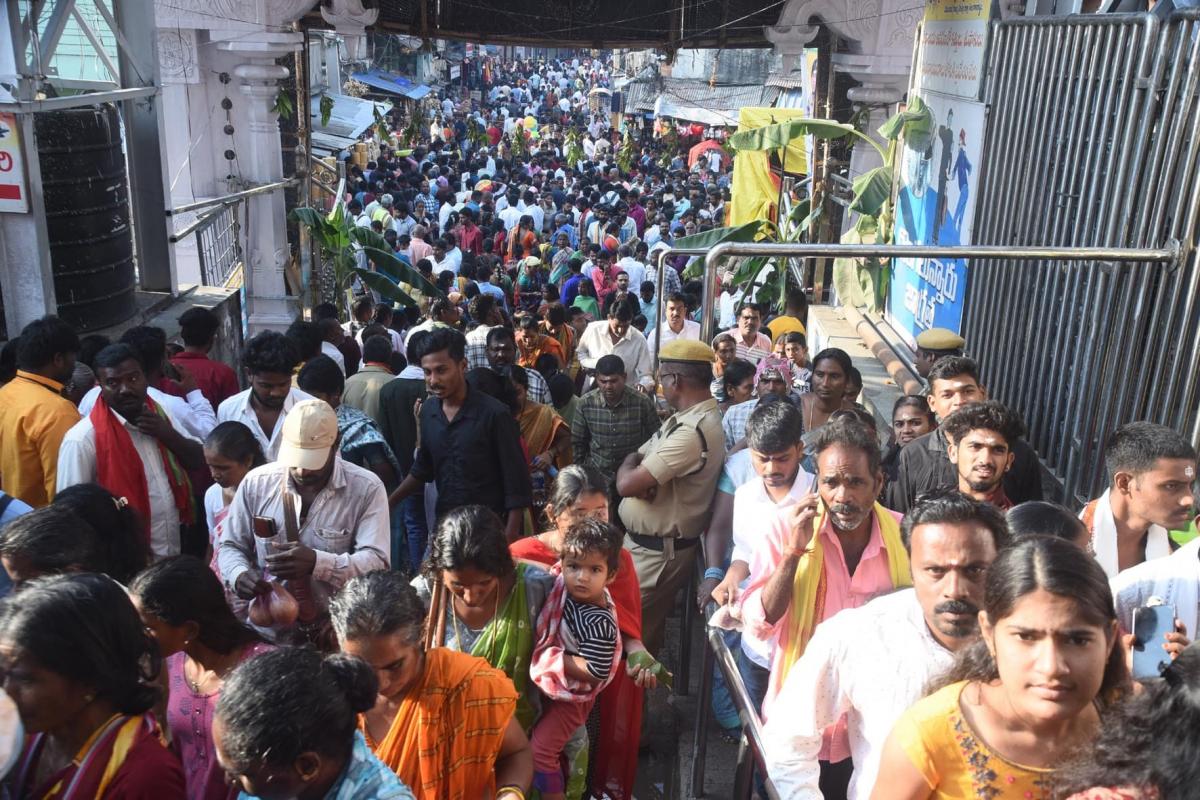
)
(417, 249)
(842, 590)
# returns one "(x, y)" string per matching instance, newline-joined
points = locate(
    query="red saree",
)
(614, 764)
(125, 759)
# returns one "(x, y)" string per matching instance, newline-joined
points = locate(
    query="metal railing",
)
(219, 229)
(1091, 142)
(219, 245)
(751, 758)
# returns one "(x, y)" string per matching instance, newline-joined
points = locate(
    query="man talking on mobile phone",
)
(835, 549)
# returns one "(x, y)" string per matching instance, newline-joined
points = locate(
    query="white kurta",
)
(77, 464)
(870, 663)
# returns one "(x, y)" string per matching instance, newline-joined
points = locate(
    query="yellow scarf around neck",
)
(808, 587)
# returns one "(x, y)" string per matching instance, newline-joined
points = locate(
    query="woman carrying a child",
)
(482, 602)
(580, 493)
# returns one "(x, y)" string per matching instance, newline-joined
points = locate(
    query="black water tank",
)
(86, 192)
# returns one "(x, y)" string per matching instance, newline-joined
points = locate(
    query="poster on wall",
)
(953, 47)
(935, 205)
(13, 197)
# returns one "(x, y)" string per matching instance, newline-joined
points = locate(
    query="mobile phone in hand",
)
(1151, 624)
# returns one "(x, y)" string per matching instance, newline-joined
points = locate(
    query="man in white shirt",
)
(635, 269)
(269, 360)
(511, 214)
(867, 665)
(192, 414)
(340, 510)
(775, 451)
(676, 323)
(617, 335)
(332, 336)
(1151, 470)
(133, 447)
(1175, 580)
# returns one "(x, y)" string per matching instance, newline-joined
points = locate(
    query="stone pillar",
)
(260, 157)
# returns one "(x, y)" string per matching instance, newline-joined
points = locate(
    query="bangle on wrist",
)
(714, 573)
(510, 790)
(800, 552)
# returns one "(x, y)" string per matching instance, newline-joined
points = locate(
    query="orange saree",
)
(447, 733)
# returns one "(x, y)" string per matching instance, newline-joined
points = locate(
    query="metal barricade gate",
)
(1091, 143)
(1162, 261)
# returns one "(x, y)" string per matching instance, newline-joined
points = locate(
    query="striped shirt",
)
(595, 632)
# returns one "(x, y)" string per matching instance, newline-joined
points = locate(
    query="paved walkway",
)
(665, 767)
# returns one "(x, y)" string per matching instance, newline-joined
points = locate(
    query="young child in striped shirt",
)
(578, 649)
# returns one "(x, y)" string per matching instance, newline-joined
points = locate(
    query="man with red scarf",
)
(131, 445)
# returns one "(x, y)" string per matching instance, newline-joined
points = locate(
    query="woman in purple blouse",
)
(183, 607)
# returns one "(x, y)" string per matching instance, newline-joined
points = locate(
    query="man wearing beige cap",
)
(340, 513)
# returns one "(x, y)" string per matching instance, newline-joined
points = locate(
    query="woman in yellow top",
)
(1022, 699)
(428, 697)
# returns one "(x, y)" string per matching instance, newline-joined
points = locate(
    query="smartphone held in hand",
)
(1151, 623)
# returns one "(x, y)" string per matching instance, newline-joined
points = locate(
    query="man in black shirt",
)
(400, 401)
(470, 443)
(924, 463)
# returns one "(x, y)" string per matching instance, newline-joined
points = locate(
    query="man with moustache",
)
(269, 360)
(981, 438)
(134, 448)
(470, 445)
(836, 548)
(867, 665)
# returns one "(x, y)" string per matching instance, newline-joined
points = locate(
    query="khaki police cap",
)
(940, 339)
(687, 350)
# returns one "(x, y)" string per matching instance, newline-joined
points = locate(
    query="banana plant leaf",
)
(377, 249)
(871, 190)
(915, 122)
(643, 659)
(326, 232)
(773, 137)
(749, 270)
(749, 232)
(385, 287)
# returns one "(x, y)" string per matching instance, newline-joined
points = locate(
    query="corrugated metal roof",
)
(696, 101)
(393, 83)
(350, 117)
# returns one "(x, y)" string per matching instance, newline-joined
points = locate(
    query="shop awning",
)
(351, 116)
(392, 83)
(696, 101)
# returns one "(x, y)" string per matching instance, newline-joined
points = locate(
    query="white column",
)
(260, 156)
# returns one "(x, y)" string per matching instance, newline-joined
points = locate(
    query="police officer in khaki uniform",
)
(667, 485)
(933, 344)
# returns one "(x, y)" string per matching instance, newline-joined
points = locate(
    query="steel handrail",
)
(1168, 256)
(751, 746)
(230, 199)
(198, 223)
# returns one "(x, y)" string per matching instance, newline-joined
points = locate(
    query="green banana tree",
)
(338, 239)
(871, 202)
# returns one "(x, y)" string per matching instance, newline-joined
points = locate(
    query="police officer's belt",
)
(656, 542)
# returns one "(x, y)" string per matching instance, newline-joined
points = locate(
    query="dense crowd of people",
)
(431, 551)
